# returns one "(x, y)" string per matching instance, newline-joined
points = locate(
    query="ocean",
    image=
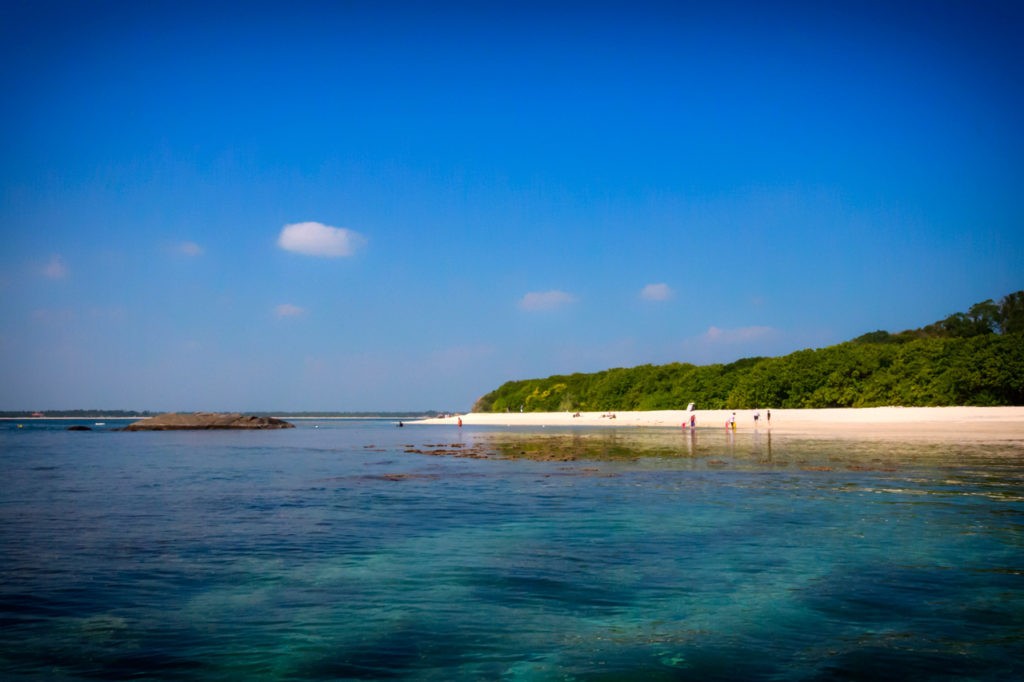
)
(352, 549)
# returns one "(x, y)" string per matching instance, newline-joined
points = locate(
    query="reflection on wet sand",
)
(712, 448)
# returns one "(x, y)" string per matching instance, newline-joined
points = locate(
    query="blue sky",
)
(363, 206)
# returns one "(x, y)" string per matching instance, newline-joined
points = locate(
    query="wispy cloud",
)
(56, 316)
(189, 249)
(317, 239)
(656, 292)
(738, 335)
(725, 345)
(545, 300)
(288, 310)
(55, 268)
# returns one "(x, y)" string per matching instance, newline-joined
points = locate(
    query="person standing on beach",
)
(732, 421)
(769, 417)
(693, 421)
(757, 415)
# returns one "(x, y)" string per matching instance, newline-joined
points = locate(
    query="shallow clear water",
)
(341, 550)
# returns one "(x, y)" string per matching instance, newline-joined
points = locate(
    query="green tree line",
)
(972, 358)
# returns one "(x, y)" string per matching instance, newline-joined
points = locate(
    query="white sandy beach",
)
(961, 423)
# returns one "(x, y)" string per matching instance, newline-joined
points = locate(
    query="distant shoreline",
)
(963, 423)
(77, 419)
(279, 415)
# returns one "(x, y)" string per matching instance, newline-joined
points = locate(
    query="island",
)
(178, 421)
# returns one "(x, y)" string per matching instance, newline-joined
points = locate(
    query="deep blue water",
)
(331, 552)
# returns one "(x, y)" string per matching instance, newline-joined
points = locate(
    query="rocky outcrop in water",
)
(177, 421)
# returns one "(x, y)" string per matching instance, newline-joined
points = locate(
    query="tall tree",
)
(1011, 313)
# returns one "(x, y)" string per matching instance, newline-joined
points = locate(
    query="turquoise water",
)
(341, 550)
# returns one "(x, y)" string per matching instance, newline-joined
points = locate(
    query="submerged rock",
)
(178, 421)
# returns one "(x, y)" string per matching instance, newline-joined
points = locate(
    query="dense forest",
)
(972, 358)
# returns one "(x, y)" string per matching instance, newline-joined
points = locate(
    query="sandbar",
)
(946, 423)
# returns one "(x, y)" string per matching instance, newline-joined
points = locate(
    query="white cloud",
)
(317, 239)
(55, 269)
(656, 292)
(289, 310)
(190, 249)
(738, 335)
(545, 300)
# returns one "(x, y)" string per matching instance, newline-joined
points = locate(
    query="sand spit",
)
(962, 423)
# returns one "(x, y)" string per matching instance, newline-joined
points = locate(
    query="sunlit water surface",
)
(358, 550)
